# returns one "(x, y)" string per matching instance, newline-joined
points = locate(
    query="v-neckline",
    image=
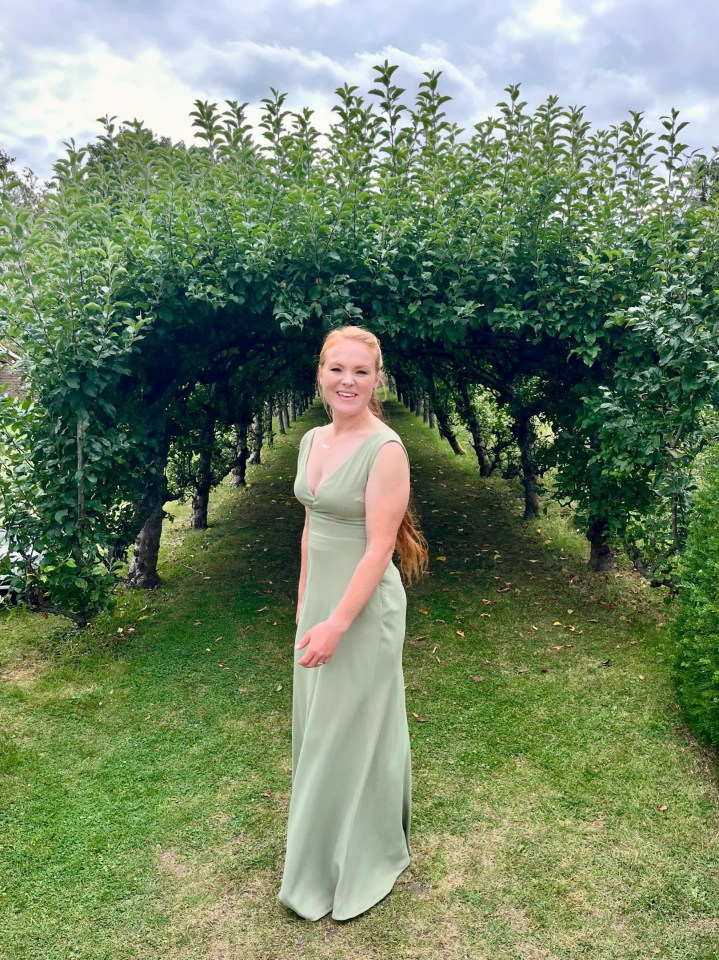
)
(339, 466)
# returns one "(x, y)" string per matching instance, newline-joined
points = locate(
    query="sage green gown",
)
(349, 819)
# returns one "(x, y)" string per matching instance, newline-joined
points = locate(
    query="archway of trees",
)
(549, 285)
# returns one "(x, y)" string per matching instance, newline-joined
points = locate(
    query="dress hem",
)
(354, 913)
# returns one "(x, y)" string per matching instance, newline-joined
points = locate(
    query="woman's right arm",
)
(303, 564)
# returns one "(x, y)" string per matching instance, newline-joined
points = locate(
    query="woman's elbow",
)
(381, 553)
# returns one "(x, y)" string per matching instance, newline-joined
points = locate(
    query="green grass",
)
(145, 771)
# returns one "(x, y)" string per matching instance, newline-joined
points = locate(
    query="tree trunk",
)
(445, 427)
(526, 438)
(267, 420)
(238, 472)
(432, 421)
(425, 408)
(256, 440)
(203, 482)
(142, 573)
(293, 409)
(602, 555)
(280, 419)
(468, 414)
(199, 505)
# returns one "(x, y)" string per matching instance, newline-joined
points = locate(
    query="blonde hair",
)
(410, 545)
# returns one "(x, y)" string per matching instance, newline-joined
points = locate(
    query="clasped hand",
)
(321, 642)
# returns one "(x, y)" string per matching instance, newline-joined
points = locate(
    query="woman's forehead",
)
(349, 353)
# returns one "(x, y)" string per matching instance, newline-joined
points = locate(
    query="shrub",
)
(696, 627)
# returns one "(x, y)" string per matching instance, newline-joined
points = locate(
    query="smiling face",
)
(348, 376)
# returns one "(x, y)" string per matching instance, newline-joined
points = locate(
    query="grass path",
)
(561, 808)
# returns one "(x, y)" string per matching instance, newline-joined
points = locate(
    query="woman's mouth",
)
(347, 396)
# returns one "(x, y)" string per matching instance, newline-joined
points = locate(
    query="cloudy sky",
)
(63, 63)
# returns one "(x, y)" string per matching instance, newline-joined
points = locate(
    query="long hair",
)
(410, 544)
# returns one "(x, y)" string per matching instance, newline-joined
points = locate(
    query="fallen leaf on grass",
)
(478, 677)
(418, 718)
(424, 612)
(443, 559)
(662, 807)
(196, 623)
(485, 614)
(460, 633)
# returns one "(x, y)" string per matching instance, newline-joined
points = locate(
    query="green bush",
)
(696, 628)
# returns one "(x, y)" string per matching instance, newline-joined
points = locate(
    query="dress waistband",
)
(324, 525)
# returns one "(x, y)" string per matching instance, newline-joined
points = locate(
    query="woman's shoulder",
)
(387, 433)
(307, 437)
(383, 438)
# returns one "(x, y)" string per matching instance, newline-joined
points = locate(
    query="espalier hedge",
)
(563, 273)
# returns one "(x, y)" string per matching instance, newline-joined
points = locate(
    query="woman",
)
(349, 820)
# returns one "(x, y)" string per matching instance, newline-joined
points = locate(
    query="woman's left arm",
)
(386, 499)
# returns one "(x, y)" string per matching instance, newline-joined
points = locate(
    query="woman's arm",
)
(386, 498)
(303, 564)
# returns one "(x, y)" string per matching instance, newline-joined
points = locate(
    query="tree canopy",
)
(562, 274)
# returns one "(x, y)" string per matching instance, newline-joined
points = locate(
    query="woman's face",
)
(348, 376)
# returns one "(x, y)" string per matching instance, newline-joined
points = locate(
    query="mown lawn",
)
(561, 807)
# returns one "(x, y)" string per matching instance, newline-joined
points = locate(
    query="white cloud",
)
(543, 17)
(61, 95)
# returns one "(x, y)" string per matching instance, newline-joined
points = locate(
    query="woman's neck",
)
(342, 426)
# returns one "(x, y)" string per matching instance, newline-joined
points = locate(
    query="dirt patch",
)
(24, 673)
(169, 862)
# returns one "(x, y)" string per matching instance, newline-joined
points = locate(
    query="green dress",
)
(349, 820)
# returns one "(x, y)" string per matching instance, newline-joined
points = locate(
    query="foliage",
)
(696, 627)
(570, 272)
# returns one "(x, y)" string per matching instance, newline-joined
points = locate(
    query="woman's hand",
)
(321, 642)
